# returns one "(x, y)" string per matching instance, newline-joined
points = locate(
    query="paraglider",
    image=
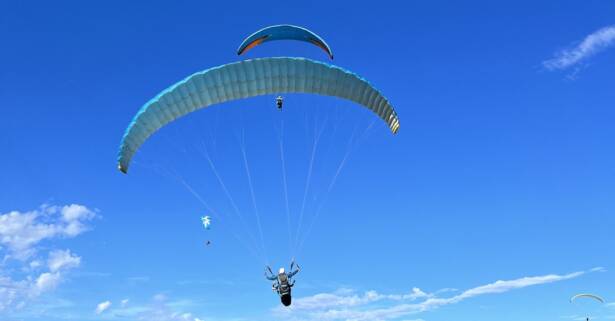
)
(206, 220)
(250, 78)
(279, 101)
(588, 296)
(283, 32)
(283, 282)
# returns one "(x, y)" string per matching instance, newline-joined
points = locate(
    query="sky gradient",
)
(493, 202)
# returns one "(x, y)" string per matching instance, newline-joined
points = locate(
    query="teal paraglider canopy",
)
(283, 32)
(250, 78)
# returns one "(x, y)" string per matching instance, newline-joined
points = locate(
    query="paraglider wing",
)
(245, 79)
(587, 295)
(283, 32)
(206, 220)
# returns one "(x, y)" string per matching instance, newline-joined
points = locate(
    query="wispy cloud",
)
(160, 308)
(137, 279)
(505, 286)
(354, 307)
(21, 235)
(591, 45)
(348, 298)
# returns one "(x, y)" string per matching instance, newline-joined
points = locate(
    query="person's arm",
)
(269, 275)
(292, 273)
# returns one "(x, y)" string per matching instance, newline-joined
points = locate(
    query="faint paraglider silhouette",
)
(589, 296)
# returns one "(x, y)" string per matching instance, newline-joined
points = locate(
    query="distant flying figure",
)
(279, 101)
(588, 296)
(206, 220)
(283, 282)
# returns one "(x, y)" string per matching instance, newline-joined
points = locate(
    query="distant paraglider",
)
(206, 221)
(588, 296)
(279, 101)
(283, 32)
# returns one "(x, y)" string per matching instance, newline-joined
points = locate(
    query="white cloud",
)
(75, 212)
(446, 290)
(58, 262)
(505, 286)
(45, 282)
(21, 234)
(347, 298)
(11, 292)
(353, 307)
(62, 260)
(591, 45)
(102, 306)
(75, 215)
(35, 264)
(416, 294)
(325, 300)
(159, 309)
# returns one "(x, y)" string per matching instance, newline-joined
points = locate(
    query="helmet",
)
(281, 271)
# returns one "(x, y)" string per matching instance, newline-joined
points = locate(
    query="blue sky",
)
(494, 201)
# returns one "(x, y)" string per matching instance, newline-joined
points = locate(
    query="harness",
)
(283, 284)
